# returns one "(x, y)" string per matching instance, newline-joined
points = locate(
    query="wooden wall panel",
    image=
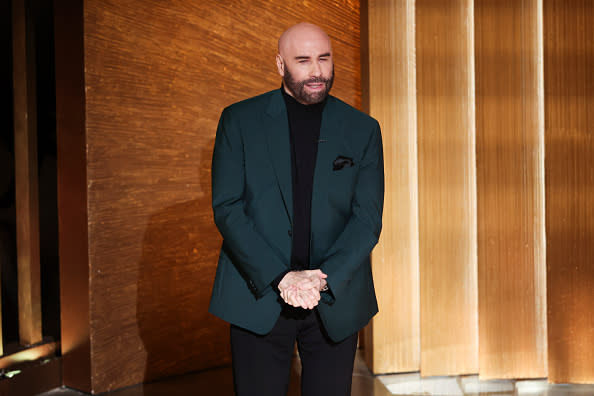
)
(510, 189)
(569, 168)
(394, 343)
(447, 187)
(157, 75)
(75, 339)
(26, 185)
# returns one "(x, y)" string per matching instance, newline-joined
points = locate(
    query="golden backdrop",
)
(485, 260)
(147, 81)
(471, 95)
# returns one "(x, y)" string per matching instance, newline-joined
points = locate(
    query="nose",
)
(316, 69)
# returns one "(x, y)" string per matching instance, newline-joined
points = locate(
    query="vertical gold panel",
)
(394, 335)
(447, 187)
(26, 186)
(569, 169)
(510, 190)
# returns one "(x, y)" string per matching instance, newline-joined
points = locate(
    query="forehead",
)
(306, 43)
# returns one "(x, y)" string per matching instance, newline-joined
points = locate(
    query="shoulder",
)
(352, 115)
(357, 129)
(253, 104)
(248, 114)
(354, 124)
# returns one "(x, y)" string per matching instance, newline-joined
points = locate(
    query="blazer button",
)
(290, 233)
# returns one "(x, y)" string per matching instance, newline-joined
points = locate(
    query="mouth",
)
(317, 86)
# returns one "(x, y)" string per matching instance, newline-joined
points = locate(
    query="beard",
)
(297, 88)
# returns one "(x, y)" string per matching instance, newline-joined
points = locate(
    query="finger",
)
(286, 281)
(317, 273)
(293, 300)
(323, 284)
(284, 291)
(311, 299)
(313, 304)
(305, 298)
(300, 301)
(316, 295)
(285, 296)
(290, 297)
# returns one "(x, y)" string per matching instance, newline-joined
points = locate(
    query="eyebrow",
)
(324, 55)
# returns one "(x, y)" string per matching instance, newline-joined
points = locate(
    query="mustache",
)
(315, 80)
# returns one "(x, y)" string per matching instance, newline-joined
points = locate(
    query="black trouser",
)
(262, 363)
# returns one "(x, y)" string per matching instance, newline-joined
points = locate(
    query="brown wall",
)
(569, 173)
(156, 77)
(392, 342)
(510, 193)
(447, 187)
(140, 87)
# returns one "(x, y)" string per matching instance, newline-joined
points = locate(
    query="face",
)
(309, 91)
(305, 63)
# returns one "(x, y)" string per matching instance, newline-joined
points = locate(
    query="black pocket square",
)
(342, 162)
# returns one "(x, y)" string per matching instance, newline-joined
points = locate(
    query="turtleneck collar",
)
(292, 103)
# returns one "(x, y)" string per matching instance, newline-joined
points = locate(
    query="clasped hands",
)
(302, 288)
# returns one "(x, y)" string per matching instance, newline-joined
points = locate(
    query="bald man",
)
(297, 194)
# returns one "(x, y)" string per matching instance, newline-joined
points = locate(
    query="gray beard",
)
(297, 88)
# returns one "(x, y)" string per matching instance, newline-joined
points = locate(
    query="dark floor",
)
(219, 382)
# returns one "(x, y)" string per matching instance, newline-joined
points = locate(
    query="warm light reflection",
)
(474, 385)
(531, 387)
(29, 355)
(10, 374)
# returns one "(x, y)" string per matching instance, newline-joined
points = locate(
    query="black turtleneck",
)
(304, 129)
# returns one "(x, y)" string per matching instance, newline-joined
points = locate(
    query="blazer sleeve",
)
(361, 233)
(250, 253)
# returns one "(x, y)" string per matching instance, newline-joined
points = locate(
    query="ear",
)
(280, 65)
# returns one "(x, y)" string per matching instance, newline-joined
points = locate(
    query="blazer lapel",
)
(279, 149)
(328, 145)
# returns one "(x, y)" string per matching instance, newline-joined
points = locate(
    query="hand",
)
(323, 285)
(302, 288)
(306, 299)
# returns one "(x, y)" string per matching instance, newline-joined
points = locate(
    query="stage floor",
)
(218, 382)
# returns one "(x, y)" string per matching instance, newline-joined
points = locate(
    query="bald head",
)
(305, 62)
(300, 34)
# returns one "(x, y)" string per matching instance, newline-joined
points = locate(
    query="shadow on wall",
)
(8, 261)
(175, 277)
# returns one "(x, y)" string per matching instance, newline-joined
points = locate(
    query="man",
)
(297, 188)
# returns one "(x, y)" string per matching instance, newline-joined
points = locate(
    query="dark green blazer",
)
(253, 209)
